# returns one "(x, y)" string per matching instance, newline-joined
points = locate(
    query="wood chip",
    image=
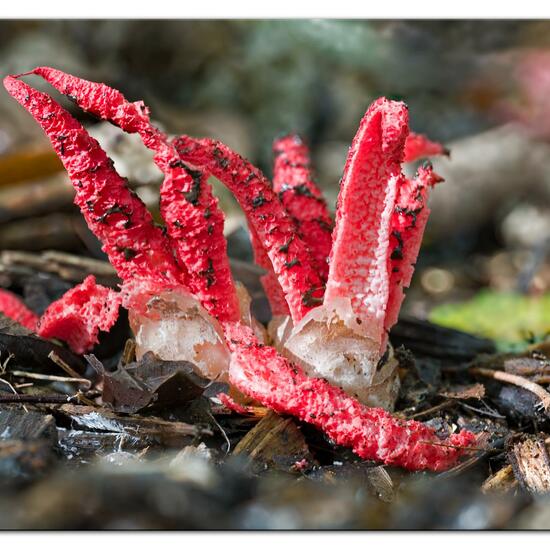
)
(530, 461)
(275, 442)
(501, 482)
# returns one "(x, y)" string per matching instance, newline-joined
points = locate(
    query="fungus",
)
(293, 182)
(13, 307)
(184, 304)
(79, 315)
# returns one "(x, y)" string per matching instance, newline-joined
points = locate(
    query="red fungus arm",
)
(293, 181)
(195, 223)
(274, 228)
(359, 256)
(418, 146)
(13, 307)
(135, 245)
(373, 434)
(105, 103)
(194, 220)
(79, 315)
(272, 288)
(408, 221)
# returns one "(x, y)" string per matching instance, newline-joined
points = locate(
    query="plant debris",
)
(150, 382)
(276, 443)
(530, 461)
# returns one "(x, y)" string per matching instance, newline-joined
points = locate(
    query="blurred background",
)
(481, 87)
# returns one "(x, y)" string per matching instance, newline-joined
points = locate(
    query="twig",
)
(4, 364)
(491, 414)
(222, 432)
(453, 446)
(12, 389)
(51, 377)
(83, 399)
(63, 365)
(16, 398)
(129, 353)
(539, 391)
(436, 408)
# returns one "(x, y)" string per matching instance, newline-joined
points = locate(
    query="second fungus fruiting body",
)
(332, 319)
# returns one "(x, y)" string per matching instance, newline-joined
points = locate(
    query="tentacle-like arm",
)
(135, 245)
(359, 258)
(418, 146)
(408, 221)
(302, 286)
(194, 220)
(195, 223)
(372, 433)
(293, 182)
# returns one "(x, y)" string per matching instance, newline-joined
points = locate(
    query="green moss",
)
(512, 320)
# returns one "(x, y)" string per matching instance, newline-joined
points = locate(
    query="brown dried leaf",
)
(150, 381)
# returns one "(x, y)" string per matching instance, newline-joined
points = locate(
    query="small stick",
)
(16, 398)
(25, 385)
(491, 414)
(436, 408)
(83, 399)
(51, 377)
(539, 391)
(10, 386)
(453, 446)
(63, 365)
(129, 353)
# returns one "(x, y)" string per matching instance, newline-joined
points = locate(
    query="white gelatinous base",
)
(176, 327)
(342, 353)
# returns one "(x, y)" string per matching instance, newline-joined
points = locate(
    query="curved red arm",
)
(372, 433)
(194, 220)
(274, 228)
(293, 182)
(135, 246)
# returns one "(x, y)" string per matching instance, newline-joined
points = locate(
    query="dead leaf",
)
(150, 381)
